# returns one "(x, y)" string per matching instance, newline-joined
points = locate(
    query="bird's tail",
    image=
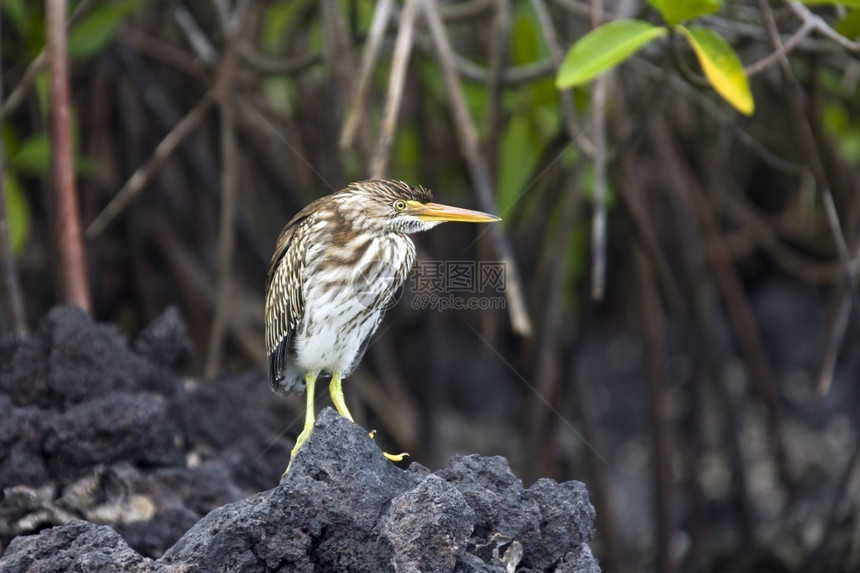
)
(286, 380)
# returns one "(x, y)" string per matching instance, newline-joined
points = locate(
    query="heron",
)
(337, 266)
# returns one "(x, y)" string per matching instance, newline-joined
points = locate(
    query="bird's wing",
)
(285, 302)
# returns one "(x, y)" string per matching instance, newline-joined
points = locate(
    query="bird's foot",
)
(393, 457)
(306, 432)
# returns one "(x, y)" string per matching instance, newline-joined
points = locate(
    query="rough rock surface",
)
(106, 434)
(96, 429)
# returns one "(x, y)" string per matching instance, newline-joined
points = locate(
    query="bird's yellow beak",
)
(438, 212)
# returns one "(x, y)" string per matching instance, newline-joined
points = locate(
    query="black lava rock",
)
(109, 429)
(436, 537)
(344, 507)
(108, 462)
(95, 428)
(76, 546)
(70, 359)
(165, 340)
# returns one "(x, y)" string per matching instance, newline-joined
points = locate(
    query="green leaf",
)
(407, 155)
(677, 11)
(97, 28)
(17, 212)
(839, 126)
(519, 154)
(280, 92)
(849, 26)
(278, 23)
(17, 12)
(576, 262)
(604, 48)
(527, 43)
(722, 67)
(34, 156)
(28, 21)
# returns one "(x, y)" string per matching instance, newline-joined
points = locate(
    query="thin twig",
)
(575, 7)
(756, 228)
(770, 158)
(37, 65)
(553, 328)
(23, 87)
(787, 47)
(11, 282)
(820, 25)
(341, 59)
(718, 112)
(837, 324)
(807, 140)
(708, 353)
(70, 245)
(652, 330)
(164, 52)
(381, 16)
(198, 40)
(599, 215)
(511, 76)
(631, 191)
(399, 66)
(265, 64)
(165, 114)
(141, 177)
(571, 123)
(705, 304)
(226, 235)
(196, 288)
(498, 59)
(468, 142)
(341, 54)
(225, 15)
(465, 10)
(688, 190)
(230, 187)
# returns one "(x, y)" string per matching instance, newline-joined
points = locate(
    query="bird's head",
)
(398, 207)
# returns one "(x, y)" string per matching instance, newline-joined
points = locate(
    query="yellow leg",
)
(310, 416)
(335, 388)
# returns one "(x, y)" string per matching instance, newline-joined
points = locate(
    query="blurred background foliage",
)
(707, 395)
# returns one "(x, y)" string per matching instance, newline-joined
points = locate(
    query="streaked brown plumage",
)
(337, 265)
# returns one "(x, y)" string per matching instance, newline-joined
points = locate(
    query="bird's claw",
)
(301, 439)
(393, 457)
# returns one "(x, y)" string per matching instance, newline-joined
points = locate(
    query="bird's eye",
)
(400, 205)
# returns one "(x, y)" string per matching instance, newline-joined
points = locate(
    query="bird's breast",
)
(347, 289)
